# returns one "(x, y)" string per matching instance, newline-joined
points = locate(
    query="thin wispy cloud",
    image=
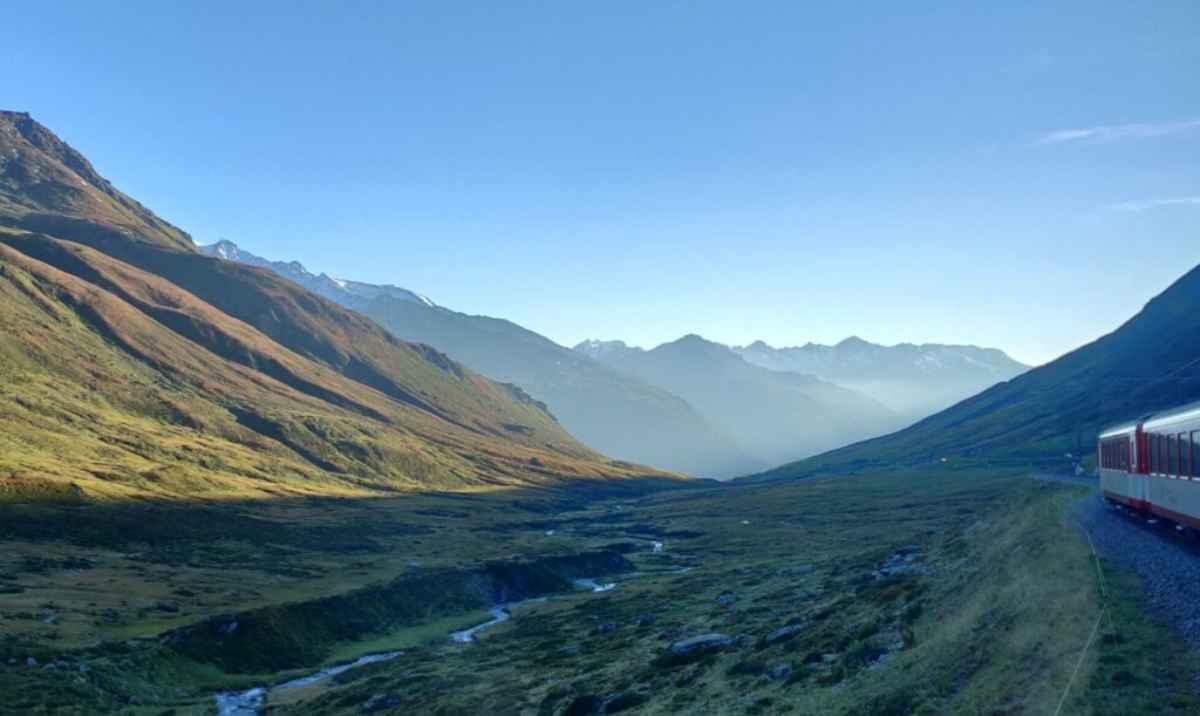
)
(1116, 132)
(1147, 204)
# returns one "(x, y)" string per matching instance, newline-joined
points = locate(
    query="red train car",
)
(1153, 465)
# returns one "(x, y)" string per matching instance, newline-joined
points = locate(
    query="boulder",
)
(702, 643)
(379, 702)
(621, 701)
(584, 705)
(784, 633)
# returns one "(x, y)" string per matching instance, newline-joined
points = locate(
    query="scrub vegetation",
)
(946, 589)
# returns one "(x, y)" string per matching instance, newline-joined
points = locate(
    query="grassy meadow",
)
(943, 590)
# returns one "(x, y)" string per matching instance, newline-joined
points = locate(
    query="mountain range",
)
(617, 414)
(671, 406)
(1050, 415)
(131, 364)
(776, 415)
(351, 294)
(913, 380)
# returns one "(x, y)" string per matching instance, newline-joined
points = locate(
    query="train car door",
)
(1141, 482)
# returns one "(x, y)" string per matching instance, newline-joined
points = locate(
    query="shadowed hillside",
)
(1149, 363)
(614, 413)
(134, 364)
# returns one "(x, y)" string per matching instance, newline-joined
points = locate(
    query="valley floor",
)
(944, 590)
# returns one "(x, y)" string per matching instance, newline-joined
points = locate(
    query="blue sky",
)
(1019, 175)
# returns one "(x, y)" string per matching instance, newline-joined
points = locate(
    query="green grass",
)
(433, 631)
(992, 620)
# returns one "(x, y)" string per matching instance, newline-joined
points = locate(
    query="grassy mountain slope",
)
(615, 413)
(775, 415)
(1149, 363)
(45, 185)
(610, 411)
(135, 365)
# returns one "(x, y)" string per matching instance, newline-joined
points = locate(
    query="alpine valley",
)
(229, 485)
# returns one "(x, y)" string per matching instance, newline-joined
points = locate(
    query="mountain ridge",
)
(135, 365)
(613, 412)
(773, 413)
(1050, 415)
(351, 294)
(913, 379)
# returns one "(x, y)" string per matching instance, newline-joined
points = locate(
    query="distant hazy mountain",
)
(775, 415)
(1150, 363)
(913, 380)
(614, 413)
(351, 294)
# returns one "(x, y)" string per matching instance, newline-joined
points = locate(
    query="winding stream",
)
(248, 702)
(592, 584)
(499, 614)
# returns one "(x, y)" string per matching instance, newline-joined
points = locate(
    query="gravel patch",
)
(1168, 564)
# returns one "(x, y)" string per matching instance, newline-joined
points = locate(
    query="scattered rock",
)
(727, 598)
(379, 702)
(621, 701)
(606, 628)
(31, 662)
(784, 633)
(779, 672)
(906, 560)
(584, 705)
(572, 649)
(796, 571)
(643, 620)
(702, 643)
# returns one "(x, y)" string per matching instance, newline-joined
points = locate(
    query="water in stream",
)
(248, 703)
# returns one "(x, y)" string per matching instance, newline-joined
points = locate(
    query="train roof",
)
(1122, 429)
(1154, 420)
(1166, 417)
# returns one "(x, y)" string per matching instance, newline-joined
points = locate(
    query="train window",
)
(1195, 454)
(1172, 456)
(1152, 452)
(1182, 443)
